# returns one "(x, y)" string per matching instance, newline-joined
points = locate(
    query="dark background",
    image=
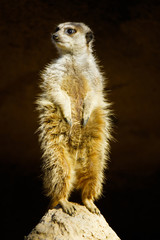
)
(128, 46)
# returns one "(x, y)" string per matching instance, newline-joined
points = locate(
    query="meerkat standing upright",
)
(74, 120)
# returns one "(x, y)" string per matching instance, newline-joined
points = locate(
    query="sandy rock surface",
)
(57, 225)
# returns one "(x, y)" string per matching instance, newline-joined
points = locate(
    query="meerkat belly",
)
(76, 89)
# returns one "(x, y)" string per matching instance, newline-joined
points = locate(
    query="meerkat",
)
(74, 117)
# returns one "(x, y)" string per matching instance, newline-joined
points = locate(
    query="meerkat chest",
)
(76, 87)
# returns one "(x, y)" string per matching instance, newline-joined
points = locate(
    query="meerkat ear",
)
(89, 36)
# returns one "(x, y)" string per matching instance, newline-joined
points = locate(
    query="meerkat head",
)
(72, 37)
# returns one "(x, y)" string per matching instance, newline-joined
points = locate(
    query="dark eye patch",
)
(57, 29)
(70, 31)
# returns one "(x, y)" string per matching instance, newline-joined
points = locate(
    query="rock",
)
(57, 225)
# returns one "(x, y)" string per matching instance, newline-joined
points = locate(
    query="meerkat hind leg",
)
(90, 179)
(67, 206)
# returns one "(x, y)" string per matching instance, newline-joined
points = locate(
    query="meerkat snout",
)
(55, 37)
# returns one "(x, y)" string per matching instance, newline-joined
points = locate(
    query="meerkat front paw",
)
(91, 206)
(87, 108)
(68, 120)
(84, 121)
(67, 116)
(67, 207)
(86, 116)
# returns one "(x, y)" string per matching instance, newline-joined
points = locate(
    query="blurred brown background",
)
(127, 44)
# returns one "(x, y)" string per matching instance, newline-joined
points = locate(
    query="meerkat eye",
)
(70, 31)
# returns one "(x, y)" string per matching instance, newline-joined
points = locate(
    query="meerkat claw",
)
(91, 206)
(68, 207)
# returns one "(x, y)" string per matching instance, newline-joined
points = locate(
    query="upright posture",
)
(74, 120)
